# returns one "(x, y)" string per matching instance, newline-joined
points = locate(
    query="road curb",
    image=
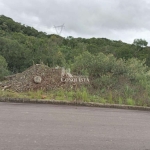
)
(74, 103)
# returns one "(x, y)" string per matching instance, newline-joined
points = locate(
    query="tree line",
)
(21, 46)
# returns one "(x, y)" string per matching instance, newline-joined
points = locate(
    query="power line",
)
(59, 29)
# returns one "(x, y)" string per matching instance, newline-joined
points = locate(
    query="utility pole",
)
(59, 29)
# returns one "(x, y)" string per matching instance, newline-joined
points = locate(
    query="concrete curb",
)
(74, 103)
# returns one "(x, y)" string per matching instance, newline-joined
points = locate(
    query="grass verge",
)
(78, 96)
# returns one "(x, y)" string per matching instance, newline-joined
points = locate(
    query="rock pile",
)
(40, 76)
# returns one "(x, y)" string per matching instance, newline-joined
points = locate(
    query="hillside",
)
(118, 72)
(22, 46)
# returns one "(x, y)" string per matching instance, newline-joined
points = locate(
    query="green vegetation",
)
(116, 80)
(119, 72)
(140, 43)
(3, 67)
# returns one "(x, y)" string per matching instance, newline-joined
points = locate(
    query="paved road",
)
(51, 127)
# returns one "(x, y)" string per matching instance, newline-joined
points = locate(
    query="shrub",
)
(123, 78)
(3, 67)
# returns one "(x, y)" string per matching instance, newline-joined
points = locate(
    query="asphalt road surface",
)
(54, 127)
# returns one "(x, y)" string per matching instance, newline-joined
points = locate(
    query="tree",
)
(3, 67)
(140, 43)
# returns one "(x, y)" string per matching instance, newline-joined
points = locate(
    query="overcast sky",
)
(123, 20)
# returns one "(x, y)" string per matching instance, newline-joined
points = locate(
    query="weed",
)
(120, 101)
(130, 101)
(102, 100)
(110, 99)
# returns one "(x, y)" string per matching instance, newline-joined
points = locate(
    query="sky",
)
(123, 20)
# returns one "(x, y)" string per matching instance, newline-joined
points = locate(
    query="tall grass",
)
(127, 97)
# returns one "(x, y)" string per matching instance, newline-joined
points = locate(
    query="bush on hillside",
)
(3, 67)
(123, 78)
